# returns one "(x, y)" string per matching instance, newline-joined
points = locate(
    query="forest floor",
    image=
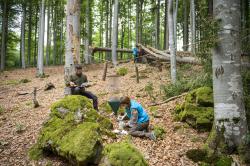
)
(20, 122)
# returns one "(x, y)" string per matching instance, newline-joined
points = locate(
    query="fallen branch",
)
(168, 100)
(104, 49)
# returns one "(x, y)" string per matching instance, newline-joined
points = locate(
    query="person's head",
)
(78, 70)
(125, 102)
(137, 46)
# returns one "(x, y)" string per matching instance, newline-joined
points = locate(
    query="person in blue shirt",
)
(138, 118)
(136, 53)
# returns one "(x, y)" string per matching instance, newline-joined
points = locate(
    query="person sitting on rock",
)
(77, 83)
(138, 118)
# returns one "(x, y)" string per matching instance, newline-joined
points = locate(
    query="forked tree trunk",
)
(230, 117)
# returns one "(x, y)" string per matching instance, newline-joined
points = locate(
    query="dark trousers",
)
(81, 91)
(140, 130)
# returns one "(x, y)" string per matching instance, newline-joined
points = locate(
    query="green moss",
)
(1, 110)
(224, 161)
(196, 155)
(25, 80)
(12, 82)
(105, 107)
(159, 132)
(244, 150)
(122, 71)
(198, 117)
(123, 154)
(77, 135)
(35, 152)
(197, 109)
(204, 96)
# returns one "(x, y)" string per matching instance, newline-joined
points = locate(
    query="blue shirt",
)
(142, 114)
(135, 51)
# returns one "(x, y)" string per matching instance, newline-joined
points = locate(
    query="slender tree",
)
(172, 41)
(192, 18)
(40, 70)
(23, 35)
(87, 31)
(30, 32)
(115, 32)
(230, 118)
(48, 36)
(166, 36)
(185, 26)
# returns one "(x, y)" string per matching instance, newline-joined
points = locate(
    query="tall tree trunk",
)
(122, 38)
(23, 36)
(172, 41)
(30, 32)
(192, 22)
(36, 24)
(137, 22)
(40, 70)
(72, 44)
(110, 26)
(87, 31)
(4, 33)
(175, 22)
(129, 16)
(61, 42)
(166, 36)
(157, 40)
(48, 36)
(55, 34)
(107, 28)
(115, 32)
(230, 117)
(185, 26)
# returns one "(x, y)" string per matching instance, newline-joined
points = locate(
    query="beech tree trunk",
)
(4, 33)
(23, 36)
(175, 22)
(115, 32)
(87, 31)
(72, 44)
(230, 117)
(30, 32)
(48, 37)
(166, 36)
(172, 41)
(192, 23)
(40, 70)
(185, 26)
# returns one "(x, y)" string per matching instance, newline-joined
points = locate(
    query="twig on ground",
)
(168, 100)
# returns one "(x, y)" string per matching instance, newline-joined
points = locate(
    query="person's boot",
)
(151, 136)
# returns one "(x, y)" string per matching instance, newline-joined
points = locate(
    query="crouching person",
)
(138, 118)
(76, 84)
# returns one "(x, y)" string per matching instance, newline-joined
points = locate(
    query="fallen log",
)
(166, 56)
(104, 49)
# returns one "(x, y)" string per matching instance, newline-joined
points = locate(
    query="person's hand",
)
(72, 84)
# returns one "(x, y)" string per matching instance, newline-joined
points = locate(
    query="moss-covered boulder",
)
(197, 109)
(74, 131)
(122, 154)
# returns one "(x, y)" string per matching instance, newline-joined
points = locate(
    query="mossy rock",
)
(25, 80)
(74, 131)
(122, 71)
(196, 155)
(159, 132)
(197, 110)
(202, 97)
(200, 118)
(224, 161)
(122, 154)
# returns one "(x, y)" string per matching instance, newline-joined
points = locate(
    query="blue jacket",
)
(135, 51)
(142, 114)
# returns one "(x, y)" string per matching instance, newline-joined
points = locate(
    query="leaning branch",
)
(168, 100)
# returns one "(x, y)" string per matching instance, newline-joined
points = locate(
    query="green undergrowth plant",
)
(122, 71)
(149, 89)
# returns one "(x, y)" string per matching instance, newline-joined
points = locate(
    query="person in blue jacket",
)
(136, 53)
(138, 118)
